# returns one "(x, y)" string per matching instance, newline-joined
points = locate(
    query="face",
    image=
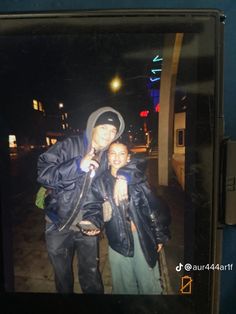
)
(118, 156)
(103, 135)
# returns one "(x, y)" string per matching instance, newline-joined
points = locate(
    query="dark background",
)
(228, 279)
(76, 70)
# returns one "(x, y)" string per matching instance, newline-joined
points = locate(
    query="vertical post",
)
(171, 55)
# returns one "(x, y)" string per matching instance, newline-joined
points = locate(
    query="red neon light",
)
(144, 113)
(157, 108)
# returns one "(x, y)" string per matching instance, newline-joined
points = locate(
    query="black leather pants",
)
(61, 246)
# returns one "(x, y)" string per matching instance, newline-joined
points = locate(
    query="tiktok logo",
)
(179, 267)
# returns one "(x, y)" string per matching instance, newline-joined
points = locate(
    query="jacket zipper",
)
(69, 220)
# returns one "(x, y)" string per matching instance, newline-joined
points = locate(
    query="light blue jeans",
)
(133, 275)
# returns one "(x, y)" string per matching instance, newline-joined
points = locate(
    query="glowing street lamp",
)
(115, 84)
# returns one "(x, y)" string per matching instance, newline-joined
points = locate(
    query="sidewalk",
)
(33, 271)
(173, 252)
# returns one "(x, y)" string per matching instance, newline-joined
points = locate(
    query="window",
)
(180, 137)
(35, 105)
(40, 106)
(12, 141)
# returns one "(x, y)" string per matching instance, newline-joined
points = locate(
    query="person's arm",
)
(160, 227)
(159, 214)
(58, 167)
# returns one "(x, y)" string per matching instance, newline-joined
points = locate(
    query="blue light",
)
(156, 59)
(154, 93)
(155, 79)
(154, 71)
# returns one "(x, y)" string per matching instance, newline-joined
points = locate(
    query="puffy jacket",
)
(149, 213)
(59, 170)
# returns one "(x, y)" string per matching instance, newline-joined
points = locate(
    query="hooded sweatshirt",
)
(59, 170)
(94, 117)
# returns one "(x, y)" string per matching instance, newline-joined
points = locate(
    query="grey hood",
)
(92, 121)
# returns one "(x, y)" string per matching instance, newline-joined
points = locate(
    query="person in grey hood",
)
(67, 169)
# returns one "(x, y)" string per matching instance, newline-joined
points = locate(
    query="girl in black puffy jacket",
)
(137, 229)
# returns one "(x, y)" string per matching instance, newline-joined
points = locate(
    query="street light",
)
(115, 84)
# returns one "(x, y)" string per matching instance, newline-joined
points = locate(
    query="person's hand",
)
(159, 247)
(87, 163)
(91, 232)
(120, 192)
(84, 224)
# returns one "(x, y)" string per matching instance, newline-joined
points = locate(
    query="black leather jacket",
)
(59, 170)
(149, 213)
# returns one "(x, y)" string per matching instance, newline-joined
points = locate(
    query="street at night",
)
(66, 73)
(117, 167)
(32, 269)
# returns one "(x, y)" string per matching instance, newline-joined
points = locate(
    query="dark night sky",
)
(73, 61)
(76, 70)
